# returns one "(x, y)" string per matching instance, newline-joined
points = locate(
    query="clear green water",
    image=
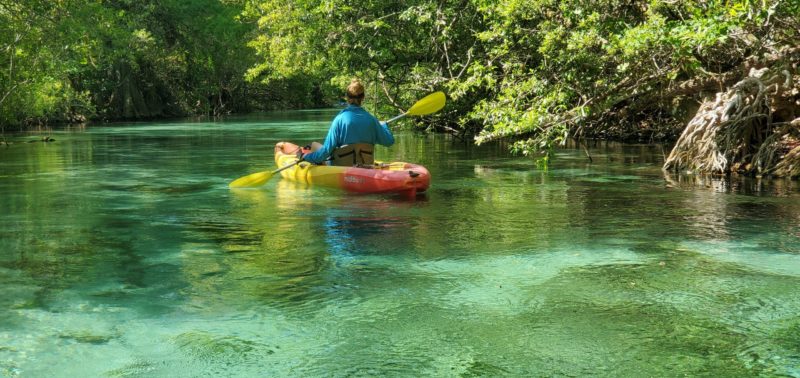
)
(123, 254)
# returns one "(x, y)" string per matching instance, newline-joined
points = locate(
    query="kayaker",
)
(352, 135)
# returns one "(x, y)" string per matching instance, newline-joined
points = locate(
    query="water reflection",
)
(291, 241)
(736, 184)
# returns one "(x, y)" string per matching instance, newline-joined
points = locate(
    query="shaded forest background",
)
(535, 72)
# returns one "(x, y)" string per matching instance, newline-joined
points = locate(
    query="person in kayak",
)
(352, 135)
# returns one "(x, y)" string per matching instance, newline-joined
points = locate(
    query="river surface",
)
(123, 253)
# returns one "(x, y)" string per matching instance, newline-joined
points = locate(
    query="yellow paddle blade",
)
(431, 103)
(251, 180)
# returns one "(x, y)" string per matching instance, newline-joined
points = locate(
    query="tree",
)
(33, 78)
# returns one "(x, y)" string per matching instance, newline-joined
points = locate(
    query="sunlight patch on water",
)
(505, 285)
(544, 312)
(749, 254)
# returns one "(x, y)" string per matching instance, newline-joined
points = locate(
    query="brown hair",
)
(355, 92)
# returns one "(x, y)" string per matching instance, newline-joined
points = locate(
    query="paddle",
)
(431, 103)
(258, 178)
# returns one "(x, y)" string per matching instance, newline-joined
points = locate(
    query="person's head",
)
(355, 92)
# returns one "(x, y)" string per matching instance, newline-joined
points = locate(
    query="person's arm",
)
(321, 154)
(385, 136)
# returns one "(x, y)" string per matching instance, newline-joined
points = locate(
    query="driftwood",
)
(745, 129)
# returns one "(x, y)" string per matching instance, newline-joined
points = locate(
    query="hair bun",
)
(355, 89)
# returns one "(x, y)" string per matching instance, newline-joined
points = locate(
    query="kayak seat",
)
(356, 154)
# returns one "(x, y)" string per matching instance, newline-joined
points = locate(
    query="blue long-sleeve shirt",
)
(352, 125)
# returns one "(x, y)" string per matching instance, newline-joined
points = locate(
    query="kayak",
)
(395, 177)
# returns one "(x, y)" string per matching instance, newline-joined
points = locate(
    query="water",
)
(123, 253)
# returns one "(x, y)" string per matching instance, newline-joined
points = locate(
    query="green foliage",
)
(585, 67)
(72, 60)
(169, 58)
(537, 72)
(403, 50)
(31, 73)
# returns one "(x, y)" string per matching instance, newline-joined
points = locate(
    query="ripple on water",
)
(129, 255)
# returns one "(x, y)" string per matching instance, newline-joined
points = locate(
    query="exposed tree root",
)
(738, 131)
